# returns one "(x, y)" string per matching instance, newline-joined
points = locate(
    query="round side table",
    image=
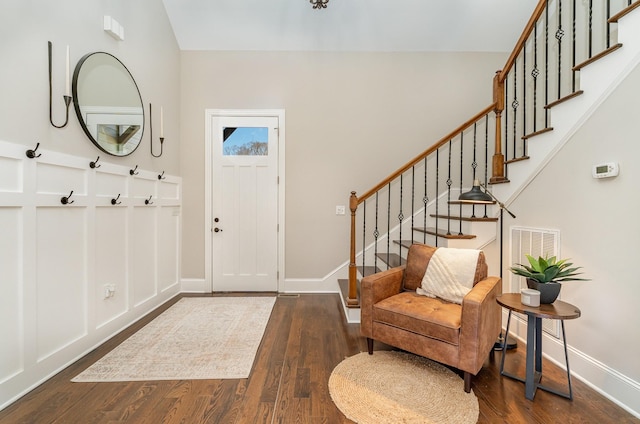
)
(557, 310)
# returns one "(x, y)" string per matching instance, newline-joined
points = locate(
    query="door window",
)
(245, 141)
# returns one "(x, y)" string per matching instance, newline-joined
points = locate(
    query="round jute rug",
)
(397, 387)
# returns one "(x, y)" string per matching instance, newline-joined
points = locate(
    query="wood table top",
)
(555, 310)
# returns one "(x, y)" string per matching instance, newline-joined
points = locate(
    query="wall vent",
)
(535, 242)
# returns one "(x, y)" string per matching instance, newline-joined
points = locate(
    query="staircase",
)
(569, 58)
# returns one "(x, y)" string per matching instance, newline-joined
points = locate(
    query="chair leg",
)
(467, 382)
(370, 345)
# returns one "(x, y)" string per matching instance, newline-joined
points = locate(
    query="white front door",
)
(244, 203)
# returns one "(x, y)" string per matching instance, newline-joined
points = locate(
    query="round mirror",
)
(108, 103)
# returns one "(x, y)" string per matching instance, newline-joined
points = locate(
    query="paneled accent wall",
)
(72, 275)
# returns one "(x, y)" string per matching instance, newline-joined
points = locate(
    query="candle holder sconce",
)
(66, 97)
(151, 134)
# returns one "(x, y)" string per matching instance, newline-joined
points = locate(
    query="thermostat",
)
(605, 170)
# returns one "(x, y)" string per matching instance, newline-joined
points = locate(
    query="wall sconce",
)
(67, 92)
(161, 131)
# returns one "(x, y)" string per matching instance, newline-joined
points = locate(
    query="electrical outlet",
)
(109, 290)
(340, 210)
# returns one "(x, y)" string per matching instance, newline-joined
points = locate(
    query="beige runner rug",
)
(197, 338)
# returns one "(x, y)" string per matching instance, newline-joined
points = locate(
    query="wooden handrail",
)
(615, 18)
(424, 154)
(528, 29)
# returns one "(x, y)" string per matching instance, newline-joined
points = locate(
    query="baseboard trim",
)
(193, 285)
(618, 388)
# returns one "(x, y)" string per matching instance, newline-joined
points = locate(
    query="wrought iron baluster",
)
(449, 181)
(559, 35)
(461, 166)
(608, 24)
(534, 75)
(425, 201)
(437, 192)
(376, 234)
(514, 106)
(474, 165)
(400, 216)
(573, 47)
(546, 63)
(413, 199)
(524, 99)
(364, 237)
(486, 154)
(388, 221)
(506, 120)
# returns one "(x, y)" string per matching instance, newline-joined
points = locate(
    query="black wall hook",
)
(133, 171)
(31, 154)
(161, 176)
(148, 201)
(115, 200)
(94, 164)
(65, 200)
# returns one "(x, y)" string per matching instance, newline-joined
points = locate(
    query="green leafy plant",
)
(545, 270)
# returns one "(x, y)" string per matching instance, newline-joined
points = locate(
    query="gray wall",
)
(149, 51)
(351, 120)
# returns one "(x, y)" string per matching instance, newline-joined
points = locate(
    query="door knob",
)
(217, 230)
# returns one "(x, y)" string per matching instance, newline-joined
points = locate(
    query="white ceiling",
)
(349, 25)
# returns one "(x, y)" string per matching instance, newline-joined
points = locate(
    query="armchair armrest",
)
(373, 289)
(480, 324)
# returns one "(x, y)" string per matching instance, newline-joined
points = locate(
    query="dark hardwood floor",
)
(305, 339)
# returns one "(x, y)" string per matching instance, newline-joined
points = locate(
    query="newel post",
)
(497, 172)
(353, 284)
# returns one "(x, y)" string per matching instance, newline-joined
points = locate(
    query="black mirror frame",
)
(76, 104)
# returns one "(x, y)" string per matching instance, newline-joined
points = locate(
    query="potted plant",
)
(546, 275)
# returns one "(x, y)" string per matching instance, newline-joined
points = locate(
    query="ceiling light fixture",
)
(319, 4)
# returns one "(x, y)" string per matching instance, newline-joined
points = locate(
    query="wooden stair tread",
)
(392, 259)
(439, 232)
(597, 56)
(466, 218)
(404, 243)
(533, 134)
(521, 158)
(367, 270)
(467, 202)
(564, 99)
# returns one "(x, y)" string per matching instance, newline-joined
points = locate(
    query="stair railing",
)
(427, 185)
(542, 71)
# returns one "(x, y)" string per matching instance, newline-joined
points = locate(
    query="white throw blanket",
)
(450, 274)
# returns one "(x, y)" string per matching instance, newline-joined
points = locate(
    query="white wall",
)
(351, 120)
(598, 223)
(56, 259)
(149, 51)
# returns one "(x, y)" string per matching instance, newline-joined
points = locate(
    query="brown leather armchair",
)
(461, 336)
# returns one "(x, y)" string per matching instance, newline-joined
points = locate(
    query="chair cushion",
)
(418, 259)
(429, 317)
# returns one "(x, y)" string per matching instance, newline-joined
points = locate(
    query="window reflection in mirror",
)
(108, 104)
